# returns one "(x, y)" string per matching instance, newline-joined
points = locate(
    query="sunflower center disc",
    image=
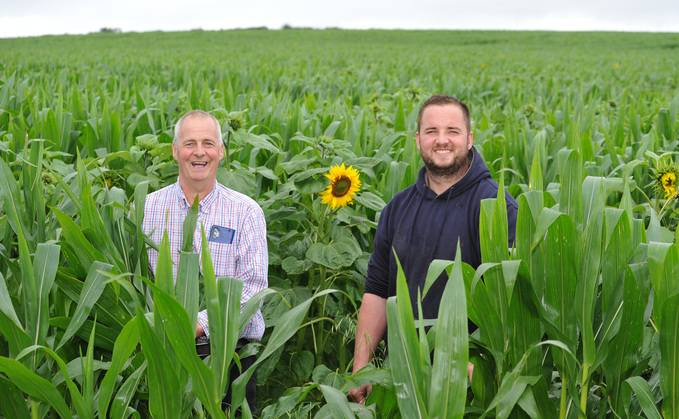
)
(341, 187)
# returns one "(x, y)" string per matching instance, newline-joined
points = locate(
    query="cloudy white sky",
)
(45, 17)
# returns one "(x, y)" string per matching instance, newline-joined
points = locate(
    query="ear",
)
(470, 140)
(174, 151)
(221, 150)
(417, 140)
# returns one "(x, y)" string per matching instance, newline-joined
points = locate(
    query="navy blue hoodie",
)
(422, 226)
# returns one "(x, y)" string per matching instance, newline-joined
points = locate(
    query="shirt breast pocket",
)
(224, 258)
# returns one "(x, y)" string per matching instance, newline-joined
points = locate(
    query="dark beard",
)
(446, 171)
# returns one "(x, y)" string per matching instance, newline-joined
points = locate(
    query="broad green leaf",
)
(12, 401)
(337, 401)
(6, 306)
(513, 384)
(137, 214)
(92, 289)
(570, 169)
(530, 206)
(189, 226)
(618, 252)
(180, 335)
(589, 263)
(251, 307)
(88, 375)
(669, 360)
(338, 254)
(17, 339)
(625, 348)
(223, 342)
(410, 373)
(223, 306)
(109, 308)
(34, 385)
(436, 267)
(91, 221)
(524, 323)
(559, 315)
(663, 267)
(73, 234)
(494, 249)
(187, 285)
(165, 395)
(370, 200)
(119, 406)
(644, 396)
(481, 310)
(536, 180)
(12, 201)
(448, 391)
(369, 375)
(125, 344)
(284, 328)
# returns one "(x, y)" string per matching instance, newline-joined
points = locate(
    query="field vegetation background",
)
(580, 319)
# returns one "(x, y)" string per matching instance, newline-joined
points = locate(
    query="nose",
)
(199, 149)
(441, 138)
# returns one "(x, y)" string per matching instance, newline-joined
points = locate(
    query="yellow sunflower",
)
(344, 184)
(668, 181)
(665, 179)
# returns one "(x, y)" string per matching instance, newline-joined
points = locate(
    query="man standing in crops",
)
(425, 221)
(234, 223)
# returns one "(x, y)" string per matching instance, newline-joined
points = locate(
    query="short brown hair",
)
(446, 100)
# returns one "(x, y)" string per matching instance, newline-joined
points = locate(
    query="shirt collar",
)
(203, 205)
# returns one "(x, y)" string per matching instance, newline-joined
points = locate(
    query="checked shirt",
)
(236, 231)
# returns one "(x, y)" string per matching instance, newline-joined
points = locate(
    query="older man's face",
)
(198, 151)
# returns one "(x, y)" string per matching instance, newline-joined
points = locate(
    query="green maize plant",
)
(576, 320)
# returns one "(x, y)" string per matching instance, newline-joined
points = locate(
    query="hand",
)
(359, 394)
(199, 330)
(470, 370)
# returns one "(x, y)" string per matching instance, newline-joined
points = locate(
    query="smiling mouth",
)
(443, 151)
(198, 164)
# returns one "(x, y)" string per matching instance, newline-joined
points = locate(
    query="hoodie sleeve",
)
(377, 278)
(512, 211)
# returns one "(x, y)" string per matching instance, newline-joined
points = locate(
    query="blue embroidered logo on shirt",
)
(219, 234)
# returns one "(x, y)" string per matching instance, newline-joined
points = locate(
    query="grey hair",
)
(193, 114)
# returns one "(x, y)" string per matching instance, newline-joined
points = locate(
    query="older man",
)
(234, 223)
(425, 221)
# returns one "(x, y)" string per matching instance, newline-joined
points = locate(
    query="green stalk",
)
(583, 394)
(564, 393)
(320, 342)
(34, 409)
(342, 354)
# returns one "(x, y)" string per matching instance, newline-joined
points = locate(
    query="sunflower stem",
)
(663, 209)
(227, 159)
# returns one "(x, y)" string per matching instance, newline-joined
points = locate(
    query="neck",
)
(191, 192)
(440, 184)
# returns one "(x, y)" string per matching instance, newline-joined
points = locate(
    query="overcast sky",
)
(44, 17)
